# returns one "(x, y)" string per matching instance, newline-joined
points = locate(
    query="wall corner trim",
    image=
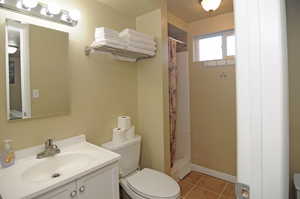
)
(214, 173)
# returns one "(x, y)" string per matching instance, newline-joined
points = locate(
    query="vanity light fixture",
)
(65, 17)
(210, 5)
(29, 4)
(50, 10)
(42, 10)
(53, 9)
(19, 5)
(75, 15)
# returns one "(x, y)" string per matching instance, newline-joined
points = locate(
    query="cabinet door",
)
(102, 184)
(68, 191)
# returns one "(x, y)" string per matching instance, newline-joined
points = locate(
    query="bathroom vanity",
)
(82, 170)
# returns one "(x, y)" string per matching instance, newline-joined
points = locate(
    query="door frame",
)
(25, 68)
(262, 98)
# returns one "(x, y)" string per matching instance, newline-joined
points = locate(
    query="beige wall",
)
(151, 99)
(101, 88)
(293, 15)
(49, 71)
(213, 113)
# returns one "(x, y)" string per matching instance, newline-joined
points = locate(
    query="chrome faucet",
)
(50, 150)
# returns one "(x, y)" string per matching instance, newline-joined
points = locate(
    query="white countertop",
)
(13, 185)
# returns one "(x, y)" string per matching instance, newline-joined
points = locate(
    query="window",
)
(215, 46)
(230, 45)
(210, 48)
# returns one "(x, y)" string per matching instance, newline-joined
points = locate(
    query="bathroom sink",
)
(56, 166)
(33, 177)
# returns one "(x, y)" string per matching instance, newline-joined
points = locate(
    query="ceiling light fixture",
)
(210, 5)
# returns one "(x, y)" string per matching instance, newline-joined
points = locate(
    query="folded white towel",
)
(106, 33)
(139, 50)
(141, 45)
(109, 43)
(106, 30)
(112, 40)
(121, 58)
(101, 37)
(136, 33)
(130, 38)
(106, 36)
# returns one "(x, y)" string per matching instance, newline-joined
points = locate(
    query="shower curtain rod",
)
(181, 42)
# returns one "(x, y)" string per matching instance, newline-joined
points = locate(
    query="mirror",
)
(36, 71)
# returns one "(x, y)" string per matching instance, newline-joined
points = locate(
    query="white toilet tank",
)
(130, 154)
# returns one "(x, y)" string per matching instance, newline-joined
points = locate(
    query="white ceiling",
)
(132, 8)
(191, 10)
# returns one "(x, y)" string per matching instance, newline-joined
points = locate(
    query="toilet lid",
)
(153, 184)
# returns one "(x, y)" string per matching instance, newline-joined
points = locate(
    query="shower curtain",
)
(172, 97)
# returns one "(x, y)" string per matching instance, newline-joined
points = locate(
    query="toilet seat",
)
(153, 184)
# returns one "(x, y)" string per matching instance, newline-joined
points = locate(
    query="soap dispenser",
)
(8, 155)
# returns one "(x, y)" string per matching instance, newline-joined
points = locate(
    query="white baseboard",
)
(214, 173)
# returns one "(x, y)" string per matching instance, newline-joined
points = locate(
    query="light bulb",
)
(12, 50)
(44, 11)
(53, 9)
(29, 3)
(19, 5)
(210, 5)
(65, 17)
(75, 15)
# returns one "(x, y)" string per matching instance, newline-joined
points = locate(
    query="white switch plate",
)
(35, 93)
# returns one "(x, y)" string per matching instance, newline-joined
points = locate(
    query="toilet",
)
(145, 183)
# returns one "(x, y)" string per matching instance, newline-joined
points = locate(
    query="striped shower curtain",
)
(172, 97)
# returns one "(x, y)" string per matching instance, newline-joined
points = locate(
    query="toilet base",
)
(123, 194)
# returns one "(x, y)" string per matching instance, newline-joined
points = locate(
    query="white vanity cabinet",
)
(63, 192)
(100, 184)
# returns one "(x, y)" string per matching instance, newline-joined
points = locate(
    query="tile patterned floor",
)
(200, 186)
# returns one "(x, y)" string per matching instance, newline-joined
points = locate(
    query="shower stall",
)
(179, 102)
